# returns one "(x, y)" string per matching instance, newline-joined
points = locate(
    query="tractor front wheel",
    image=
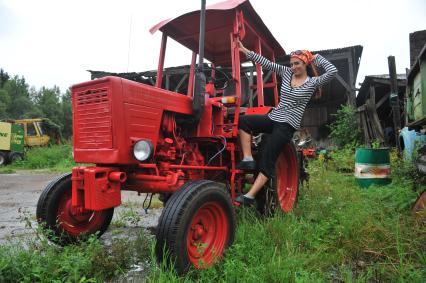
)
(196, 226)
(54, 210)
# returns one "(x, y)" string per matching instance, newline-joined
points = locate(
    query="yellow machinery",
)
(39, 132)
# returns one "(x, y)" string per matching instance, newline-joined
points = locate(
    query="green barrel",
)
(372, 166)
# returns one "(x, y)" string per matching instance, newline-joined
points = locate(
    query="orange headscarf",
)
(303, 55)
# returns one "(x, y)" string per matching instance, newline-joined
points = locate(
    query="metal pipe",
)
(191, 167)
(160, 67)
(202, 35)
(119, 177)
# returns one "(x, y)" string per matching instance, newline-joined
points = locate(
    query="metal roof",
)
(416, 65)
(219, 24)
(377, 80)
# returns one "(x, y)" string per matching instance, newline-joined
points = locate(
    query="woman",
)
(281, 123)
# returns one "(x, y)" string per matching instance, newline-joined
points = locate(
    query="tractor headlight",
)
(142, 150)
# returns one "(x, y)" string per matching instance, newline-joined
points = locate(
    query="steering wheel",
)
(222, 82)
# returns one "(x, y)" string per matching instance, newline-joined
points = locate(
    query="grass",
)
(55, 158)
(338, 232)
(35, 259)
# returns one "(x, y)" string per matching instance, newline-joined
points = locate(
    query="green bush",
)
(345, 130)
(49, 157)
(404, 171)
(342, 160)
(57, 158)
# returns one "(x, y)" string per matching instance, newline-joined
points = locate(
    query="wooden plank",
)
(387, 81)
(364, 127)
(337, 56)
(382, 100)
(168, 82)
(371, 107)
(182, 80)
(344, 84)
(352, 97)
(396, 112)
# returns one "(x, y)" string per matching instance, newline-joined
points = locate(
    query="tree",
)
(20, 102)
(4, 103)
(48, 103)
(4, 77)
(66, 112)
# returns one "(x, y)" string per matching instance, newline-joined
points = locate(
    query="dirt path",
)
(19, 194)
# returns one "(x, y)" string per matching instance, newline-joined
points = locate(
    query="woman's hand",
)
(241, 47)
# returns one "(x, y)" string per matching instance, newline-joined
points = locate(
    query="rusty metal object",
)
(419, 207)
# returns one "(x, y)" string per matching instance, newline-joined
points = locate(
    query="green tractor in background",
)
(11, 142)
(16, 135)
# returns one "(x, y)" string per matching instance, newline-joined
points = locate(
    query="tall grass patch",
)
(338, 232)
(37, 260)
(55, 158)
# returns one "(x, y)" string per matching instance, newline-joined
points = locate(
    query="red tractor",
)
(184, 147)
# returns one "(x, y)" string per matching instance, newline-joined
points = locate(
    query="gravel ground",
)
(19, 194)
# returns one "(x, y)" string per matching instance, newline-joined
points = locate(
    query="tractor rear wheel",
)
(280, 192)
(196, 226)
(54, 210)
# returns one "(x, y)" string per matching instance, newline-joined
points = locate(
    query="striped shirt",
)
(293, 100)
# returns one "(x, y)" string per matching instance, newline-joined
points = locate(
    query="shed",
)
(373, 104)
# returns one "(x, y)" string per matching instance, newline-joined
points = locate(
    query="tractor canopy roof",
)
(220, 19)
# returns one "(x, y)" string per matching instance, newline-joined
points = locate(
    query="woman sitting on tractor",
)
(296, 90)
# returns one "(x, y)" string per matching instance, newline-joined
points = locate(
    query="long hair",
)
(313, 72)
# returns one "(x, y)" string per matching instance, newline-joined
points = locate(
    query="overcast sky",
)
(54, 42)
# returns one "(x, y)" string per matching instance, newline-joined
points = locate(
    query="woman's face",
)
(297, 66)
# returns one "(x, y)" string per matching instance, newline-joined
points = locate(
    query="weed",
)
(55, 158)
(338, 232)
(35, 259)
(342, 160)
(7, 170)
(127, 217)
(405, 172)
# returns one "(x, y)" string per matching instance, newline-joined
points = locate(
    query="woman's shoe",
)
(243, 200)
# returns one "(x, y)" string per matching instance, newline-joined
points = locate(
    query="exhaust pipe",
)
(202, 35)
(198, 97)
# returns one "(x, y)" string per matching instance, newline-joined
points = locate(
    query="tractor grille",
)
(93, 119)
